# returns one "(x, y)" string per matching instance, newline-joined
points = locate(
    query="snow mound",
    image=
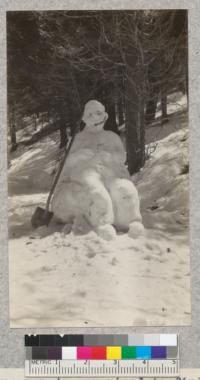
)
(136, 229)
(163, 184)
(107, 232)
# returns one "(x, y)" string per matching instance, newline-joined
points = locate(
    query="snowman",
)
(95, 189)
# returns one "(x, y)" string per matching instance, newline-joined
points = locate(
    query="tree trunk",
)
(35, 121)
(135, 129)
(111, 123)
(164, 108)
(153, 75)
(120, 109)
(13, 133)
(164, 105)
(151, 107)
(42, 120)
(63, 132)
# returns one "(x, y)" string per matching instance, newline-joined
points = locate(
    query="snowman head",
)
(94, 115)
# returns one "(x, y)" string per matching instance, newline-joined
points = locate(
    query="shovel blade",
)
(41, 217)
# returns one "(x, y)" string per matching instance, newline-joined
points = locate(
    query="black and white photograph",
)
(98, 168)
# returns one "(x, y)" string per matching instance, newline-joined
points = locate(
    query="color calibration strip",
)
(101, 353)
(102, 340)
(101, 347)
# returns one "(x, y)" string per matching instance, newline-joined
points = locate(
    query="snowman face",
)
(95, 116)
(96, 119)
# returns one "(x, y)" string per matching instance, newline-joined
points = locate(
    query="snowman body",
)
(94, 184)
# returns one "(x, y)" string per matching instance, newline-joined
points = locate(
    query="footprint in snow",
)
(80, 293)
(147, 258)
(114, 261)
(91, 254)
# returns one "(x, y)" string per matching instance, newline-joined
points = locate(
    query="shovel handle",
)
(59, 171)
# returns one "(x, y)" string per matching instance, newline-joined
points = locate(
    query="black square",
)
(31, 340)
(47, 340)
(76, 340)
(62, 341)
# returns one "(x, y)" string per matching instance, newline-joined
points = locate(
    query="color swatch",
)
(170, 340)
(100, 353)
(74, 347)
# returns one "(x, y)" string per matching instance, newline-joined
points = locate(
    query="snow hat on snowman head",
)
(94, 114)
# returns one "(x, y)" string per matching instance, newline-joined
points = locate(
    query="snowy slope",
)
(59, 279)
(163, 184)
(31, 168)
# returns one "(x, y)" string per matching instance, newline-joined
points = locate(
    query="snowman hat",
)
(92, 107)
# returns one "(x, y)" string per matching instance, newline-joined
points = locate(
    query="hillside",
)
(75, 279)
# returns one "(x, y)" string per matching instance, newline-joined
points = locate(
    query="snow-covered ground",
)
(60, 280)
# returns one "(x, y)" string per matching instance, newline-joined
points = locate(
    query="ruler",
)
(101, 368)
(18, 374)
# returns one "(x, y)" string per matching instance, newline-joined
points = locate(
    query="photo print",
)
(98, 170)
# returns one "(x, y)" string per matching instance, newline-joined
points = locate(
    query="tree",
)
(166, 58)
(107, 41)
(125, 59)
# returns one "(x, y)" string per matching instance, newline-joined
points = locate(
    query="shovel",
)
(41, 216)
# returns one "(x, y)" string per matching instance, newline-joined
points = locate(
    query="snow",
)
(94, 183)
(136, 229)
(90, 183)
(64, 278)
(31, 168)
(94, 114)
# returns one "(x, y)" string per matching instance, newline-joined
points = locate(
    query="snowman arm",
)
(78, 142)
(115, 142)
(118, 148)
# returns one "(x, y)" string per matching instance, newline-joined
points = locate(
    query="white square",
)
(69, 353)
(151, 340)
(168, 339)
